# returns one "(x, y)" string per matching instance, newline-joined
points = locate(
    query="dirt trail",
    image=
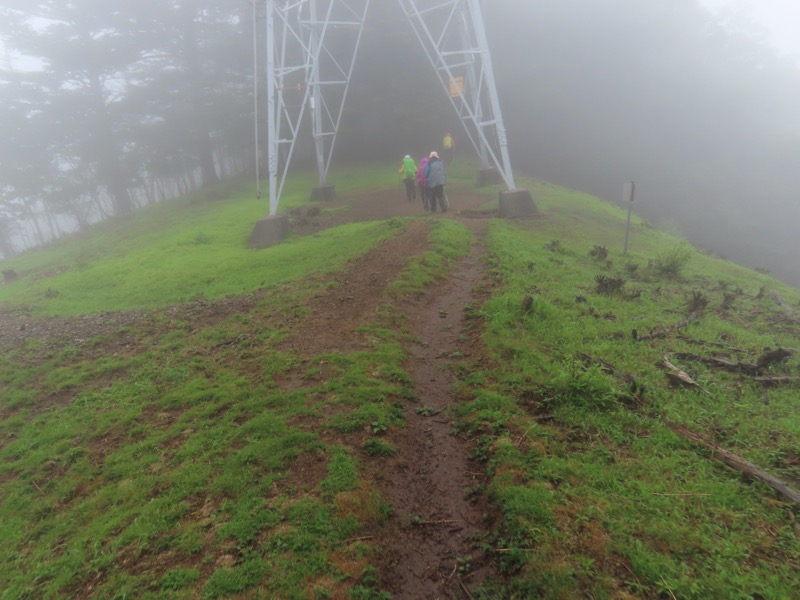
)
(436, 521)
(357, 295)
(429, 544)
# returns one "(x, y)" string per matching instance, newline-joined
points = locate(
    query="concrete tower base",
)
(516, 204)
(323, 193)
(269, 231)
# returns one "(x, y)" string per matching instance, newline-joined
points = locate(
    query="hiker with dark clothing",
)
(409, 171)
(435, 174)
(422, 183)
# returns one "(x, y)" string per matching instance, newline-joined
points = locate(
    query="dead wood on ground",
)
(753, 369)
(738, 463)
(697, 342)
(774, 356)
(722, 363)
(679, 376)
(778, 379)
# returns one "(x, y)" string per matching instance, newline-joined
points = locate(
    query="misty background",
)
(109, 106)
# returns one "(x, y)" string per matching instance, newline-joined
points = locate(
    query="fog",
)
(133, 103)
(704, 121)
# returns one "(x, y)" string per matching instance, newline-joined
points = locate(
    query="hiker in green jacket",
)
(409, 171)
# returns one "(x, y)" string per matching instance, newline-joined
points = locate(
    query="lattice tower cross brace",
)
(454, 39)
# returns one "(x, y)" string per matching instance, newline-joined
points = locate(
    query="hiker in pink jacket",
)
(422, 182)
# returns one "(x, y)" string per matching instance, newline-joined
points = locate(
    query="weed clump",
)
(378, 447)
(599, 252)
(588, 388)
(670, 263)
(608, 285)
(555, 246)
(697, 302)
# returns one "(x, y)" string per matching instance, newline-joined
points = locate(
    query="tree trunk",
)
(202, 136)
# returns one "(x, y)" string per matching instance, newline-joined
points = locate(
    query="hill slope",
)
(407, 406)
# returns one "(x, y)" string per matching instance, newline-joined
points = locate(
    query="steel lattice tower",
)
(310, 52)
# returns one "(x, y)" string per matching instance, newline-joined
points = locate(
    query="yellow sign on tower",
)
(456, 86)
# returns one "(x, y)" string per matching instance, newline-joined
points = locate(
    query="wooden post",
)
(627, 193)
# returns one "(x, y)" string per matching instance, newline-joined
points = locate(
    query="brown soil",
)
(429, 547)
(432, 482)
(429, 544)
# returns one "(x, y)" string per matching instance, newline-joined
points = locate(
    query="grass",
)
(186, 249)
(179, 465)
(184, 470)
(601, 499)
(449, 241)
(171, 269)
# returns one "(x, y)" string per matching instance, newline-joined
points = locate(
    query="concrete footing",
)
(269, 231)
(323, 193)
(516, 204)
(489, 176)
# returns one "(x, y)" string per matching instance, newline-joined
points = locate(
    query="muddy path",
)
(428, 548)
(433, 484)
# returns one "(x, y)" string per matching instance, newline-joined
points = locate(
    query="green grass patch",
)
(599, 498)
(449, 241)
(126, 268)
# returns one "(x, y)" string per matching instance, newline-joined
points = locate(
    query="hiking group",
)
(429, 177)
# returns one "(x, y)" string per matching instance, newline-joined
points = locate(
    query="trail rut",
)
(437, 521)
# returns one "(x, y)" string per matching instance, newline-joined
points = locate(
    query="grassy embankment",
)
(599, 496)
(176, 466)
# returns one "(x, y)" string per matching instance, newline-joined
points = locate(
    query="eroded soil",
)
(433, 485)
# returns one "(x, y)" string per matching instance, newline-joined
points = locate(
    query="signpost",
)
(628, 191)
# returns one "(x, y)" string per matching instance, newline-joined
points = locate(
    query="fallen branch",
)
(679, 495)
(422, 522)
(675, 374)
(464, 588)
(697, 342)
(733, 365)
(777, 379)
(358, 539)
(764, 362)
(740, 464)
(669, 589)
(724, 363)
(774, 356)
(661, 333)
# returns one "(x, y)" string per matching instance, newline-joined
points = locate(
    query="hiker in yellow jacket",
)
(449, 145)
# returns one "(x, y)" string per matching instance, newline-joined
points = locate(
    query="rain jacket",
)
(409, 168)
(434, 173)
(421, 179)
